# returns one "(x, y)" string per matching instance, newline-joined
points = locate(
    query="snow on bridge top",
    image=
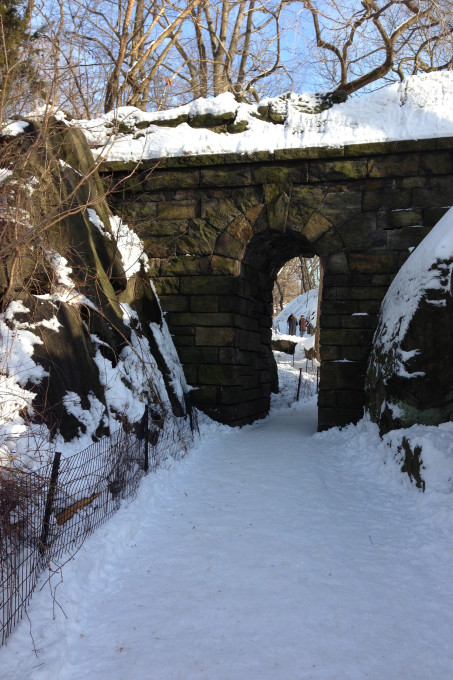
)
(421, 107)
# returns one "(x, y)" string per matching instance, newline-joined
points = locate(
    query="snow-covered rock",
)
(84, 345)
(410, 374)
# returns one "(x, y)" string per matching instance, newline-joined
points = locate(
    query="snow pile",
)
(18, 374)
(164, 341)
(4, 174)
(128, 243)
(420, 107)
(385, 455)
(14, 128)
(435, 448)
(130, 247)
(65, 289)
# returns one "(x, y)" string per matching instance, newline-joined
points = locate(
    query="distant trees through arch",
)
(297, 276)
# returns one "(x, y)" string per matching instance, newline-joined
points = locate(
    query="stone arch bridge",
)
(218, 228)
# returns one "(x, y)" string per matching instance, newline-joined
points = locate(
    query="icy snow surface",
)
(420, 107)
(268, 553)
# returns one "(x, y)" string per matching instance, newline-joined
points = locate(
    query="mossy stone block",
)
(204, 303)
(160, 227)
(405, 218)
(180, 210)
(316, 226)
(329, 242)
(387, 200)
(197, 355)
(408, 237)
(209, 285)
(338, 170)
(342, 375)
(280, 174)
(277, 203)
(220, 214)
(206, 336)
(329, 352)
(208, 120)
(365, 149)
(184, 266)
(240, 229)
(221, 266)
(327, 398)
(167, 285)
(137, 210)
(229, 246)
(373, 262)
(175, 303)
(159, 246)
(397, 165)
(226, 176)
(340, 205)
(436, 163)
(346, 336)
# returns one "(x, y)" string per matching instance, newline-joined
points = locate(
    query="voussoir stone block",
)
(316, 226)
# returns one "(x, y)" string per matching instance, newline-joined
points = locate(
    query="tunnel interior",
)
(264, 256)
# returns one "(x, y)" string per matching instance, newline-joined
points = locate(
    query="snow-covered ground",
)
(269, 553)
(420, 107)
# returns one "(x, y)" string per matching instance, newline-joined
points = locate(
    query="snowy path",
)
(267, 554)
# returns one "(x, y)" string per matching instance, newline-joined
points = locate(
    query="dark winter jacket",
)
(292, 324)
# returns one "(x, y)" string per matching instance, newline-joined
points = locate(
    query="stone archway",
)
(217, 229)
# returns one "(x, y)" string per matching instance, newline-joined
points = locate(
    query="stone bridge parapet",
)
(218, 228)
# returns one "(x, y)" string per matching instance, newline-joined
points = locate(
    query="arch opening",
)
(296, 277)
(264, 256)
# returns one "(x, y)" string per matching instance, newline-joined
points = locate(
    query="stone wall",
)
(218, 228)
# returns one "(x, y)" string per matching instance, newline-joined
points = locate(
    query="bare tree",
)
(297, 276)
(359, 43)
(124, 40)
(229, 46)
(18, 63)
(309, 269)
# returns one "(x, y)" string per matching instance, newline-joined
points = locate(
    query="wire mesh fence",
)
(47, 513)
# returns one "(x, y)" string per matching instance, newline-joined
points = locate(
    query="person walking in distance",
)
(292, 324)
(302, 325)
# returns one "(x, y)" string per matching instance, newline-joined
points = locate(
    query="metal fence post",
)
(49, 503)
(145, 436)
(299, 383)
(193, 420)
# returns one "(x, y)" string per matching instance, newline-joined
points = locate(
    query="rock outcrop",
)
(93, 320)
(410, 374)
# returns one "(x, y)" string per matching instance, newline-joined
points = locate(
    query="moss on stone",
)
(316, 226)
